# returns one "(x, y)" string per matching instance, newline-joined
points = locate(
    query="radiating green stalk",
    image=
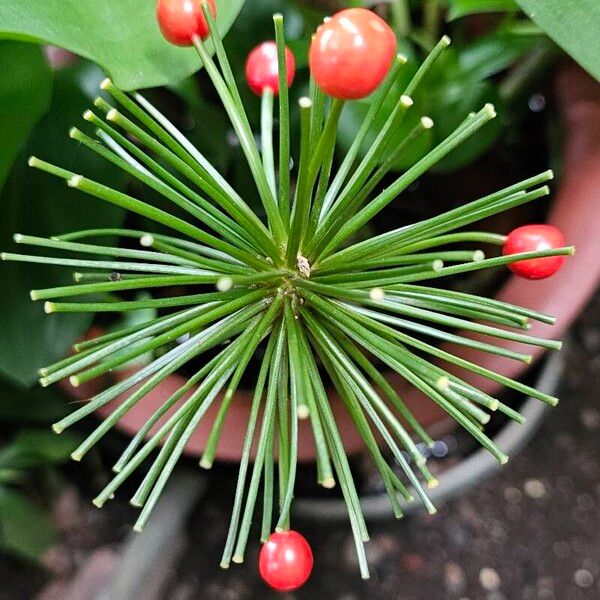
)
(155, 214)
(202, 276)
(301, 206)
(197, 206)
(297, 387)
(102, 250)
(243, 220)
(348, 369)
(133, 233)
(125, 342)
(164, 408)
(246, 141)
(325, 473)
(363, 317)
(389, 194)
(266, 121)
(193, 258)
(340, 461)
(284, 121)
(222, 328)
(326, 142)
(344, 203)
(406, 237)
(175, 454)
(268, 486)
(171, 335)
(375, 106)
(254, 340)
(245, 457)
(267, 424)
(426, 329)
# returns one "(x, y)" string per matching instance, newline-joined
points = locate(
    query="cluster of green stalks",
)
(298, 285)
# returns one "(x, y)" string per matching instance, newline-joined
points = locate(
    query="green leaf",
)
(574, 26)
(37, 448)
(37, 405)
(36, 203)
(25, 92)
(462, 8)
(122, 36)
(25, 529)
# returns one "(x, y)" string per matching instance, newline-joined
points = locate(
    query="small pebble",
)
(583, 578)
(513, 495)
(454, 578)
(534, 488)
(590, 418)
(489, 579)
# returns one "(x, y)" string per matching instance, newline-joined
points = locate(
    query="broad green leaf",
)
(462, 8)
(36, 203)
(122, 36)
(25, 92)
(25, 529)
(574, 26)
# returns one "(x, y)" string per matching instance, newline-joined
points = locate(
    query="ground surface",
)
(530, 533)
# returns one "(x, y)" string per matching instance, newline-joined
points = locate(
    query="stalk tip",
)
(445, 41)
(406, 101)
(75, 181)
(77, 456)
(238, 559)
(57, 428)
(18, 238)
(328, 483)
(112, 114)
(205, 463)
(278, 17)
(305, 102)
(303, 412)
(402, 59)
(427, 122)
(549, 174)
(377, 294)
(147, 240)
(224, 564)
(138, 528)
(88, 115)
(443, 383)
(74, 381)
(224, 284)
(33, 294)
(48, 307)
(98, 503)
(478, 256)
(106, 84)
(503, 459)
(437, 265)
(432, 484)
(33, 161)
(490, 110)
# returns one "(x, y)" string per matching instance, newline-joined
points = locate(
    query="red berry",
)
(285, 561)
(262, 68)
(182, 20)
(351, 53)
(532, 238)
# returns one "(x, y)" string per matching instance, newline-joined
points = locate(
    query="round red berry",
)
(182, 20)
(533, 238)
(351, 53)
(286, 561)
(262, 68)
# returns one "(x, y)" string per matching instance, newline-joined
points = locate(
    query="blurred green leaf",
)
(25, 92)
(462, 8)
(36, 405)
(37, 448)
(39, 204)
(574, 26)
(25, 529)
(122, 36)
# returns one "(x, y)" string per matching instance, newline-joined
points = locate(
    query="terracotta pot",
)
(576, 211)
